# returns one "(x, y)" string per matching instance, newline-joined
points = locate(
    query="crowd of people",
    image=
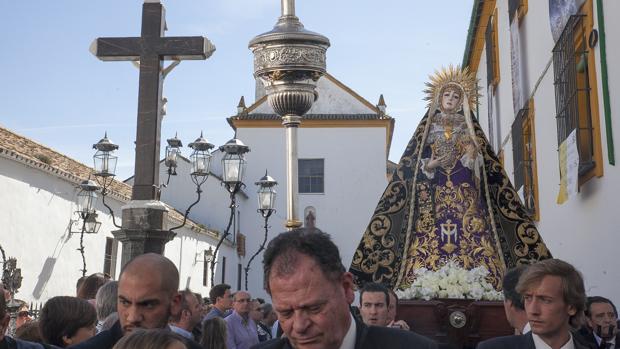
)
(313, 307)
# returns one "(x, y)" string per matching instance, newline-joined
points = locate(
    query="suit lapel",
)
(529, 340)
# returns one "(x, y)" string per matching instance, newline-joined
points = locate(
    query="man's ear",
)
(347, 284)
(572, 310)
(175, 304)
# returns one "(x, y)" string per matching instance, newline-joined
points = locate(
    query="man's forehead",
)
(548, 284)
(375, 297)
(600, 307)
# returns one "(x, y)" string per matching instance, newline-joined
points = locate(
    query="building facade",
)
(549, 96)
(41, 229)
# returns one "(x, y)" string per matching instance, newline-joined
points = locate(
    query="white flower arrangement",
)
(451, 281)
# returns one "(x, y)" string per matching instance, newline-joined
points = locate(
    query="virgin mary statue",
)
(449, 199)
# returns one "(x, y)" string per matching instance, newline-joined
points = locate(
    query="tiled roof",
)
(50, 160)
(38, 156)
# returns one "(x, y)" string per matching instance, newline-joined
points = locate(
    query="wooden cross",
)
(151, 49)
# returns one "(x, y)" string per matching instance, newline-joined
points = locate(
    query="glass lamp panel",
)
(263, 199)
(201, 162)
(91, 225)
(105, 163)
(172, 154)
(232, 165)
(86, 201)
(83, 201)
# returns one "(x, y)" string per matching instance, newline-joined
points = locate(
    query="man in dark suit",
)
(513, 302)
(602, 321)
(147, 297)
(311, 292)
(553, 293)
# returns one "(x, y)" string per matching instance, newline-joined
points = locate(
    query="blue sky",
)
(57, 93)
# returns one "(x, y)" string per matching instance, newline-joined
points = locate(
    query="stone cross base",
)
(144, 229)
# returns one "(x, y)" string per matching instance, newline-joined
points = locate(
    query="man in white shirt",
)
(553, 293)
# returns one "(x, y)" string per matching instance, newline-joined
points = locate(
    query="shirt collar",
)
(183, 332)
(348, 342)
(527, 328)
(599, 340)
(540, 344)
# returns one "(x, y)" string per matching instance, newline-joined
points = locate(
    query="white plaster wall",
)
(355, 178)
(35, 209)
(332, 100)
(582, 231)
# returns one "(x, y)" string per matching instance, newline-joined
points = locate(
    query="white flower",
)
(451, 281)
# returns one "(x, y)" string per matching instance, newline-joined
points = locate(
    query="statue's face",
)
(451, 100)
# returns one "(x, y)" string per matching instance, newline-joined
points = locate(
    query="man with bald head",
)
(147, 297)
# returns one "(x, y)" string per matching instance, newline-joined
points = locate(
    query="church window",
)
(524, 159)
(109, 257)
(575, 92)
(205, 269)
(239, 269)
(223, 270)
(492, 51)
(311, 176)
(240, 244)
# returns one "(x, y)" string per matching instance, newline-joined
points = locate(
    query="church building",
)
(343, 145)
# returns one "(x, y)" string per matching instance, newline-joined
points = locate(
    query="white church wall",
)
(332, 100)
(581, 231)
(35, 211)
(36, 208)
(355, 178)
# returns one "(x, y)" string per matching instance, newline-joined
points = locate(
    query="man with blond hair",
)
(553, 293)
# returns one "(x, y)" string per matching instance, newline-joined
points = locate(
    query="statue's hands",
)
(434, 162)
(471, 150)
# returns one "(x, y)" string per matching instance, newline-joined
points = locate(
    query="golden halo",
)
(452, 75)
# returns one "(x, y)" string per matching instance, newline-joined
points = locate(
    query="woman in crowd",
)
(66, 321)
(90, 286)
(214, 334)
(151, 339)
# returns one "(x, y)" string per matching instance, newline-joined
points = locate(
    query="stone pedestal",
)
(144, 229)
(461, 323)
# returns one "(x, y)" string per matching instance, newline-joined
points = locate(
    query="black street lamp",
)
(104, 158)
(201, 164)
(105, 169)
(233, 169)
(87, 199)
(266, 201)
(173, 151)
